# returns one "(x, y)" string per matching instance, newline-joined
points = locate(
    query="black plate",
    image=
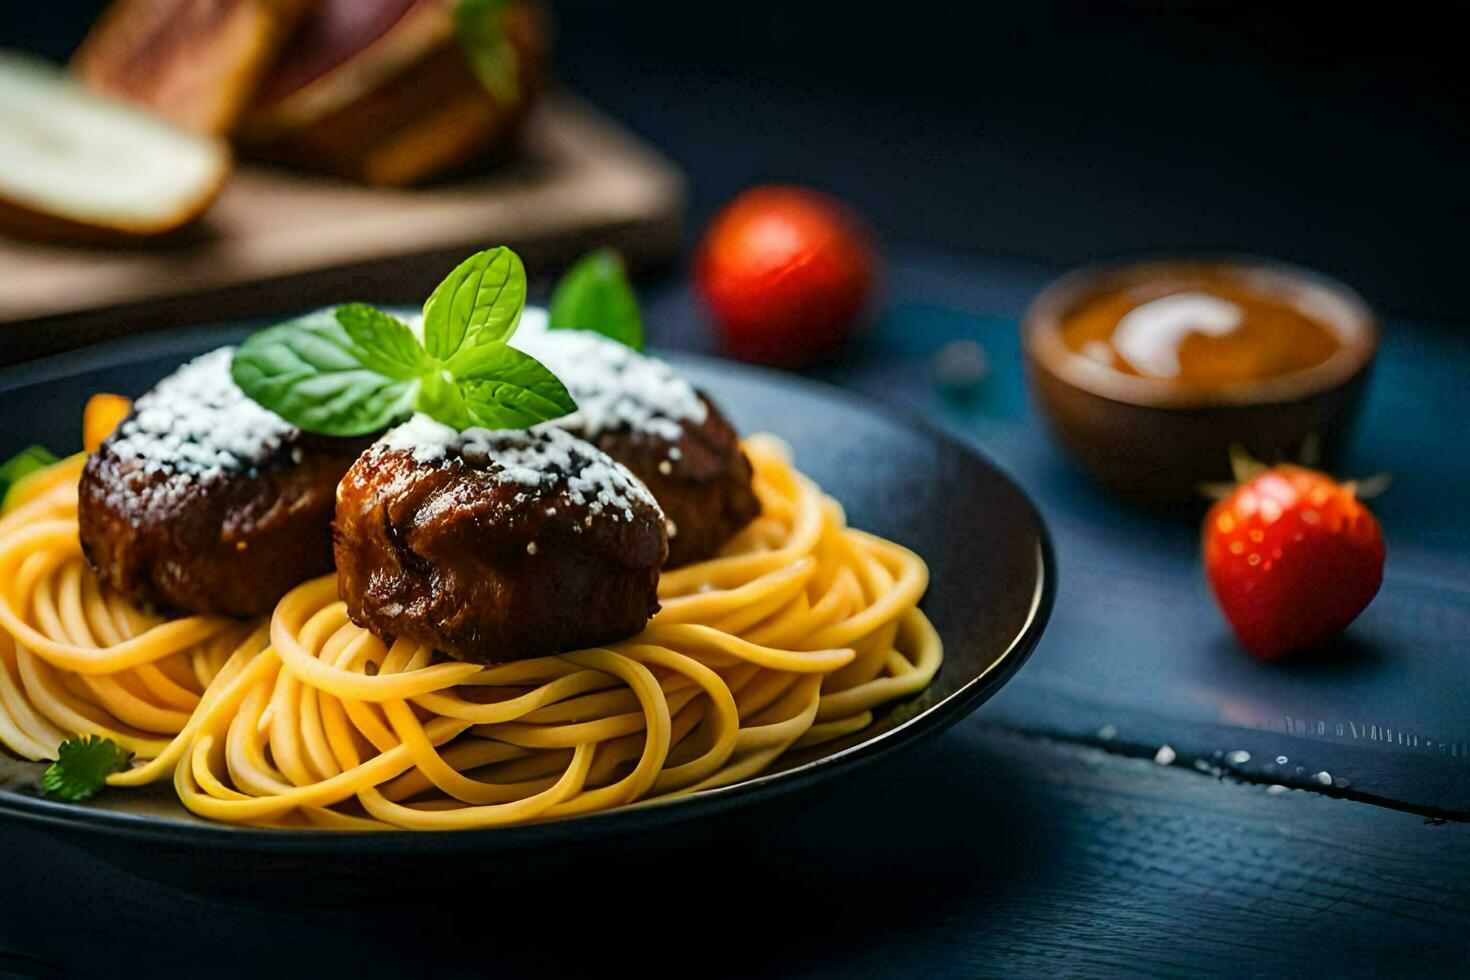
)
(992, 583)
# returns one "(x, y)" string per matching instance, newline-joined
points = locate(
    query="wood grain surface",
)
(281, 241)
(1136, 653)
(989, 853)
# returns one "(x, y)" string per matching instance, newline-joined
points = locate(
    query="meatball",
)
(701, 478)
(496, 545)
(204, 502)
(640, 412)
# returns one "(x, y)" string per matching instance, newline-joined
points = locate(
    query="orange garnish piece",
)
(101, 416)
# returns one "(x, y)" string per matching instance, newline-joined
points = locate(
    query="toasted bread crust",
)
(196, 63)
(405, 108)
(22, 221)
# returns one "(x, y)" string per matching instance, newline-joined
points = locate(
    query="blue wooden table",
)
(1039, 837)
(1137, 656)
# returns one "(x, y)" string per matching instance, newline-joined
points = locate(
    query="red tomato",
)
(786, 271)
(1293, 557)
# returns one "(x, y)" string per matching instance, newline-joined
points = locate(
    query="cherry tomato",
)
(787, 272)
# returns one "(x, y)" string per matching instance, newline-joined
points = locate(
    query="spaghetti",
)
(789, 638)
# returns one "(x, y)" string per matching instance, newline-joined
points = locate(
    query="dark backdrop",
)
(1331, 135)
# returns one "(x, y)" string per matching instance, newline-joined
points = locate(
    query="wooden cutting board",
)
(280, 241)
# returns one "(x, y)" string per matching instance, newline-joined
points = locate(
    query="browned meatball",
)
(495, 546)
(701, 479)
(640, 412)
(204, 502)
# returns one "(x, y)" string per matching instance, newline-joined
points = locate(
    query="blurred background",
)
(1051, 131)
(1066, 131)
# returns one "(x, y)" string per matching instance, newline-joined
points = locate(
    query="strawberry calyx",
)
(1244, 467)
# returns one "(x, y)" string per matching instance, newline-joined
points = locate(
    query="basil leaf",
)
(479, 303)
(441, 399)
(506, 389)
(595, 295)
(14, 471)
(23, 464)
(481, 28)
(354, 369)
(383, 343)
(308, 372)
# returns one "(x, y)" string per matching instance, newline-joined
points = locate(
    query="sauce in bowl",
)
(1199, 331)
(1151, 372)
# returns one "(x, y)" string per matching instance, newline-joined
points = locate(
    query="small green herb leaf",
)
(506, 389)
(383, 343)
(309, 371)
(441, 399)
(23, 464)
(481, 28)
(479, 303)
(355, 369)
(82, 766)
(595, 295)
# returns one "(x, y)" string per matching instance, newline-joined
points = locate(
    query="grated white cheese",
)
(197, 422)
(544, 460)
(615, 388)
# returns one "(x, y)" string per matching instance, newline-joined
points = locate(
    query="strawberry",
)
(1292, 556)
(787, 272)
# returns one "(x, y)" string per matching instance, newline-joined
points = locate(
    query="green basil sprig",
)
(595, 295)
(21, 465)
(354, 369)
(481, 26)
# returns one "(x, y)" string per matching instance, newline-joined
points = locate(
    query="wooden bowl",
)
(1155, 442)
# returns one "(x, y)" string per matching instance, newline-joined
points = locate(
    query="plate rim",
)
(74, 819)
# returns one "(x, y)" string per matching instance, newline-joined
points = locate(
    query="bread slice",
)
(382, 91)
(76, 166)
(196, 62)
